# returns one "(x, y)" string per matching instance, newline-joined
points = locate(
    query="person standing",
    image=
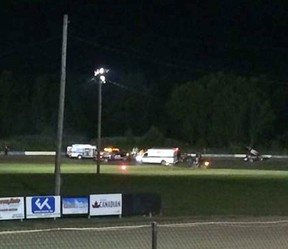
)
(6, 149)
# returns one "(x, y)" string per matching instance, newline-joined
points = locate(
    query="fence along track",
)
(255, 233)
(171, 225)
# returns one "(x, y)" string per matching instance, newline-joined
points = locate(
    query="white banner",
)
(105, 204)
(42, 207)
(74, 205)
(12, 208)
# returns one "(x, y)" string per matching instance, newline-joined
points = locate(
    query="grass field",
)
(230, 205)
(228, 190)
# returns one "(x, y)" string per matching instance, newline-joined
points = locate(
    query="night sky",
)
(187, 39)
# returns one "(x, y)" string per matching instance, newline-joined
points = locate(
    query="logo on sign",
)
(43, 205)
(106, 204)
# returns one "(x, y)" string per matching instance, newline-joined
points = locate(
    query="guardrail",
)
(30, 153)
(239, 156)
(39, 153)
(53, 153)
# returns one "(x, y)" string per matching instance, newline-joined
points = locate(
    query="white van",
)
(159, 156)
(81, 151)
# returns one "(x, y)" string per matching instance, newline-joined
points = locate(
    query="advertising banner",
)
(105, 204)
(74, 205)
(42, 207)
(12, 208)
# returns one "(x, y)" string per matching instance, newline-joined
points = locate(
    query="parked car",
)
(113, 154)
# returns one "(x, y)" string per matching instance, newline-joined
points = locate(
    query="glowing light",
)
(206, 163)
(103, 79)
(101, 70)
(123, 167)
(110, 149)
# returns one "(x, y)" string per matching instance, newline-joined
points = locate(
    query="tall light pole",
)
(102, 80)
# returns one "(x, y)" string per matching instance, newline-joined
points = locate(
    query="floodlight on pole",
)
(100, 71)
(102, 80)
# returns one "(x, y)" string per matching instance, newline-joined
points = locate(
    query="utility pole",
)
(57, 171)
(99, 124)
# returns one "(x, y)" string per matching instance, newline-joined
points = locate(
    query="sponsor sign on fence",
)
(75, 205)
(12, 208)
(105, 204)
(42, 207)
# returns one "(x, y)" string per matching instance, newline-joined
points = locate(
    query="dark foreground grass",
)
(184, 191)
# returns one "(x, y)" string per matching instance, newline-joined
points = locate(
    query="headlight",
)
(206, 163)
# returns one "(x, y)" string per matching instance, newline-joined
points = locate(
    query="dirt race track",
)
(275, 164)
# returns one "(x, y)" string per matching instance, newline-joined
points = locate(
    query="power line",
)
(140, 55)
(128, 89)
(202, 42)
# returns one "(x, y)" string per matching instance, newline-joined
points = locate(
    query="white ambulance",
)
(164, 156)
(81, 151)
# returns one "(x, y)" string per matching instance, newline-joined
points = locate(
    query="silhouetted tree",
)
(221, 110)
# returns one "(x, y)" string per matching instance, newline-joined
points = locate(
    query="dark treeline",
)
(165, 60)
(219, 110)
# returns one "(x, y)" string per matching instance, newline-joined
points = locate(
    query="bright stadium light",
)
(102, 78)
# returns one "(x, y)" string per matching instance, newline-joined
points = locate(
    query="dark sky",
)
(191, 38)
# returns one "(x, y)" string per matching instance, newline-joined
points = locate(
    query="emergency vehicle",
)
(164, 156)
(81, 151)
